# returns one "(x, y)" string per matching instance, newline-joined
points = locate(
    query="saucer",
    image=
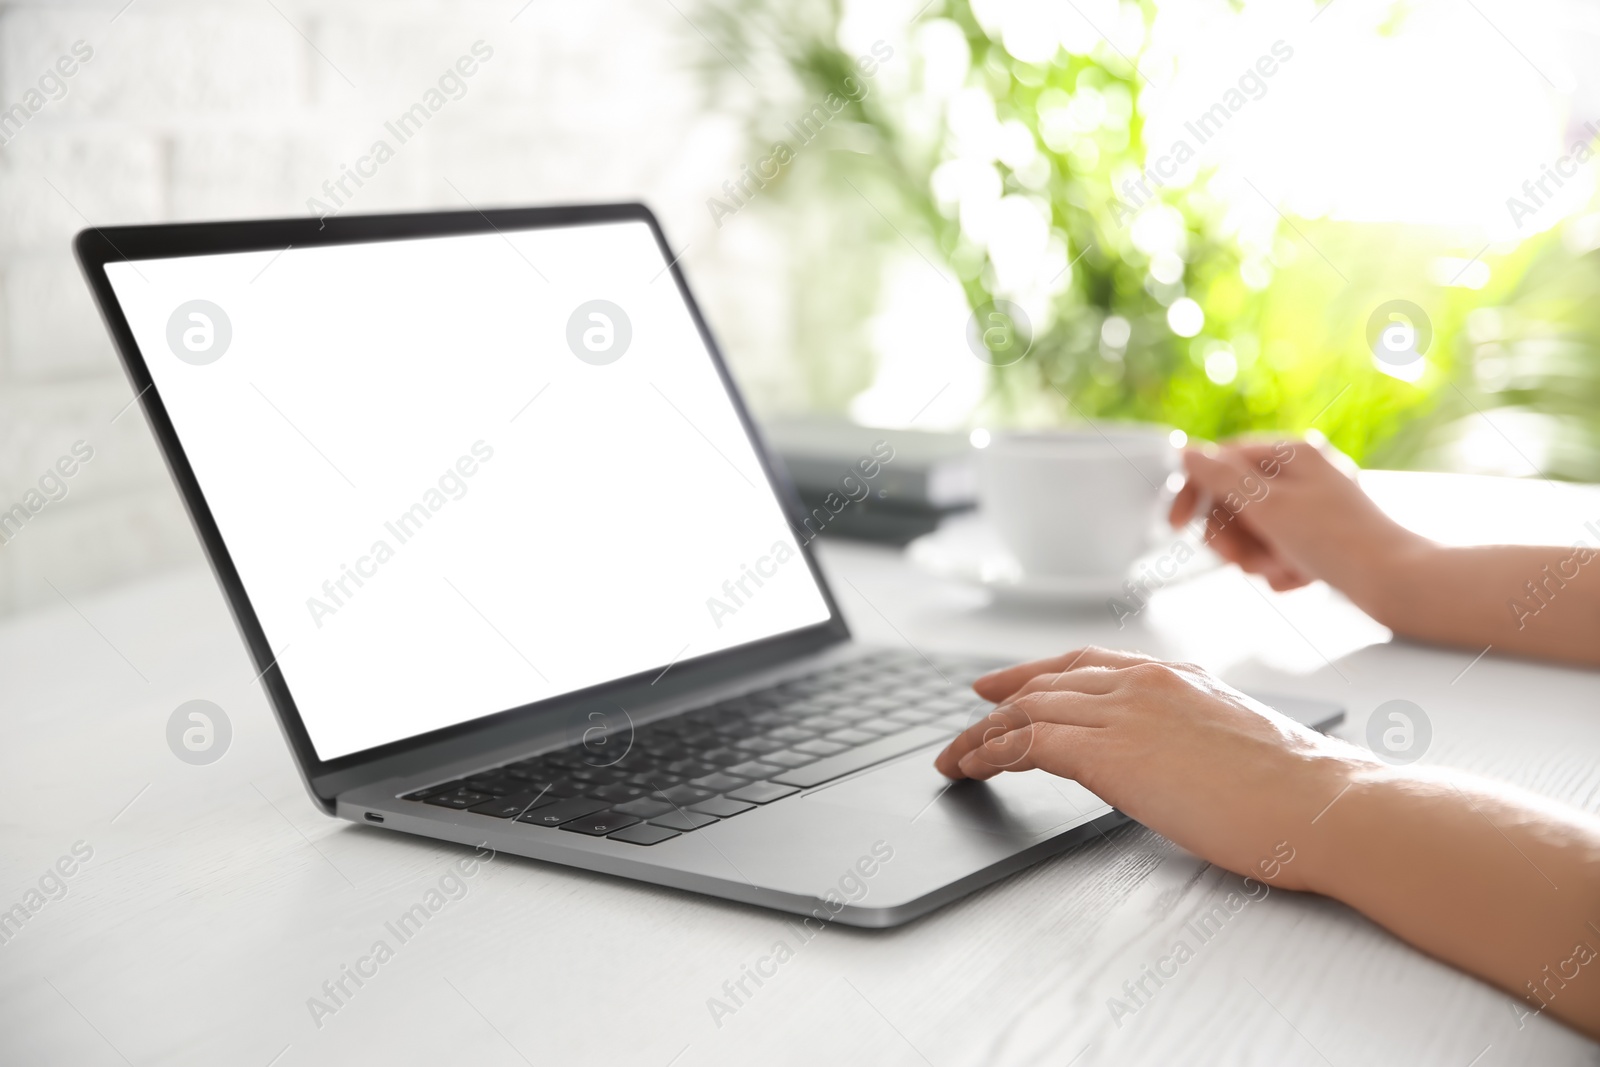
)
(967, 549)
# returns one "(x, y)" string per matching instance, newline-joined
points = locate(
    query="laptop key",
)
(460, 799)
(691, 740)
(684, 821)
(763, 792)
(644, 834)
(598, 776)
(722, 807)
(754, 770)
(563, 811)
(821, 724)
(761, 745)
(656, 779)
(850, 737)
(645, 807)
(619, 793)
(820, 748)
(509, 807)
(732, 729)
(787, 758)
(690, 768)
(559, 788)
(718, 783)
(790, 734)
(601, 824)
(684, 794)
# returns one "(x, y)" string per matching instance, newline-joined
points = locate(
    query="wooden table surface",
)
(215, 901)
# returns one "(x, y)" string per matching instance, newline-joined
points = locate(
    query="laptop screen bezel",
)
(97, 247)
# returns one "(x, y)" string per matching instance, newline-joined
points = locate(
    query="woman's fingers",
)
(999, 722)
(1217, 479)
(1060, 748)
(998, 685)
(1234, 542)
(1217, 472)
(1239, 546)
(1064, 706)
(1093, 679)
(1261, 454)
(1184, 504)
(1284, 578)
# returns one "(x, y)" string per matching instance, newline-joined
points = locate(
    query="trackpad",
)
(1027, 803)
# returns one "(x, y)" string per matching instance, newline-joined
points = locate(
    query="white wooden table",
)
(217, 900)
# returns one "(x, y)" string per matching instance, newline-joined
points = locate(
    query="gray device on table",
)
(505, 684)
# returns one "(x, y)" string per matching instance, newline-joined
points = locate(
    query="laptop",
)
(516, 571)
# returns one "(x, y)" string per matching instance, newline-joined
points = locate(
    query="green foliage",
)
(1535, 355)
(1285, 306)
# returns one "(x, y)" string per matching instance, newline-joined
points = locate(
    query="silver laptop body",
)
(511, 683)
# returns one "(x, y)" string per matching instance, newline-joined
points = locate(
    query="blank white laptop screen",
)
(458, 475)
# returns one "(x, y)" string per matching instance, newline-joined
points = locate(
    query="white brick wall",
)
(191, 110)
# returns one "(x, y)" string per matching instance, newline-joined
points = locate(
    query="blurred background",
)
(1195, 214)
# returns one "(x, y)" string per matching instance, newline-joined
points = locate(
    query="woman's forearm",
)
(1533, 601)
(1495, 881)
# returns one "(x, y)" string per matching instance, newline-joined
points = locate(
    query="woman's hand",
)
(1494, 880)
(1286, 511)
(1222, 775)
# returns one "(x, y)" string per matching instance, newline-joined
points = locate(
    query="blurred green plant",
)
(1534, 360)
(1275, 339)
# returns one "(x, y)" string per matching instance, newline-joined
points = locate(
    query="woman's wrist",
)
(1387, 572)
(1339, 839)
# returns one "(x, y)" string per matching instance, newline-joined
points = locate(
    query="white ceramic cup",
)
(1082, 502)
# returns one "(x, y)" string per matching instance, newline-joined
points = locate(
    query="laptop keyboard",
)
(685, 772)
